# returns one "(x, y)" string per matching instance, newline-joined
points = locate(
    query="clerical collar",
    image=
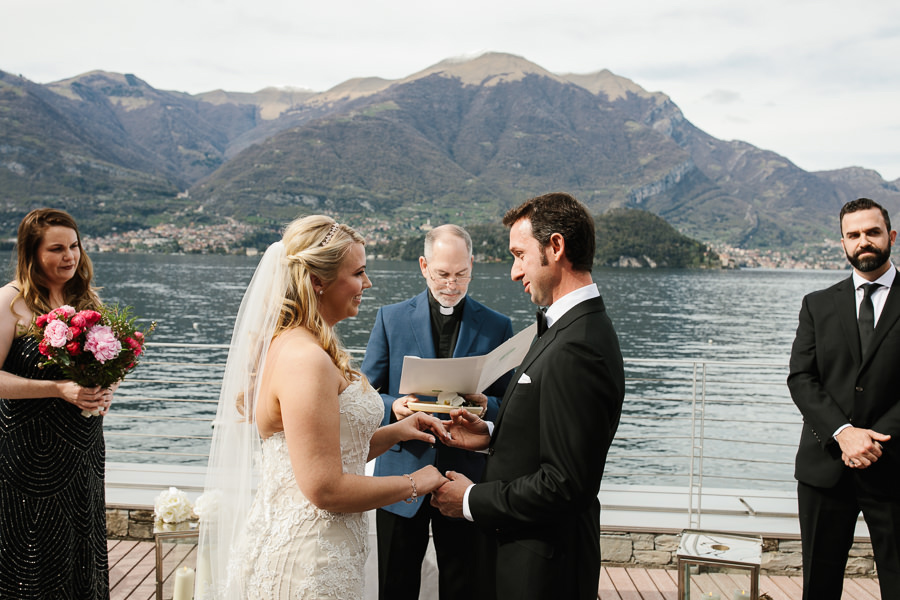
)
(447, 311)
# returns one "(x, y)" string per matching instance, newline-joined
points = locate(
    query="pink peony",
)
(102, 343)
(57, 333)
(86, 318)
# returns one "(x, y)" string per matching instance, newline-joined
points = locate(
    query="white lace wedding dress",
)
(292, 550)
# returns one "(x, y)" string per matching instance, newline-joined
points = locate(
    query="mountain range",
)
(460, 141)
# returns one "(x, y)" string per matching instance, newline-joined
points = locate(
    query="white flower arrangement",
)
(207, 505)
(172, 511)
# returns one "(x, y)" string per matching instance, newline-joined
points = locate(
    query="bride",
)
(298, 422)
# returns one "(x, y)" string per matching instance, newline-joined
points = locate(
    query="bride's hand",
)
(428, 479)
(417, 426)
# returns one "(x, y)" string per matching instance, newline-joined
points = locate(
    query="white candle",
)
(711, 596)
(184, 584)
(741, 594)
(203, 578)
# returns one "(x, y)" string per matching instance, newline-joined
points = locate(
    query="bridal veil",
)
(236, 447)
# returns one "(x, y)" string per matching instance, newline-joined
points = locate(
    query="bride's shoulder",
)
(298, 344)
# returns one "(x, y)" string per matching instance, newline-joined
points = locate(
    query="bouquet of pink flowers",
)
(92, 348)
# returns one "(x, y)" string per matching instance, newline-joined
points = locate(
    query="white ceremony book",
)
(466, 375)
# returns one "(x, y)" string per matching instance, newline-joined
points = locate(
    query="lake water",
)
(658, 313)
(709, 343)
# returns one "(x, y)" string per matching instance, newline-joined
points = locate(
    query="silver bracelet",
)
(415, 494)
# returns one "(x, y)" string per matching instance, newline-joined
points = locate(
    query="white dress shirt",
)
(879, 294)
(879, 297)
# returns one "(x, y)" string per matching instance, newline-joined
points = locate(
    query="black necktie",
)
(541, 322)
(867, 316)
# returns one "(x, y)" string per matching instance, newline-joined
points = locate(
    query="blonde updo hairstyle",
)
(316, 245)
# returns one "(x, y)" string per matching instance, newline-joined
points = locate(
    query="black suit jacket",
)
(546, 459)
(832, 385)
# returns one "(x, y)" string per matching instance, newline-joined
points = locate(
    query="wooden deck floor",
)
(132, 576)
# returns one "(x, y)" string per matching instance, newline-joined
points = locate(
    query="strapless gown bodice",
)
(290, 548)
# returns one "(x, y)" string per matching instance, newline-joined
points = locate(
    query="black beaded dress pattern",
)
(52, 500)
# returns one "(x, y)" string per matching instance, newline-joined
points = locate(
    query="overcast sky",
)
(816, 81)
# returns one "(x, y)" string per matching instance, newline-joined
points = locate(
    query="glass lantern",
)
(176, 555)
(718, 566)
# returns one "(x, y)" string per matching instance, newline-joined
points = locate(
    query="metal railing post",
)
(692, 453)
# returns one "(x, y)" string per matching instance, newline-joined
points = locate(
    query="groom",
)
(538, 500)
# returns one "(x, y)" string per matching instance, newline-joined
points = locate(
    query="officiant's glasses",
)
(458, 280)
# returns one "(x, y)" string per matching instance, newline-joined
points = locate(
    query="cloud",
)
(723, 97)
(772, 73)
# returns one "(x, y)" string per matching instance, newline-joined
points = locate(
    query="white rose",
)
(172, 506)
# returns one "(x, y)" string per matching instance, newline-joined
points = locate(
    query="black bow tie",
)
(541, 322)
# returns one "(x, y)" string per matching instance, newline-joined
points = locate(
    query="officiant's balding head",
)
(447, 263)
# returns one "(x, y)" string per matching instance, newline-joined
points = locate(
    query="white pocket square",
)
(524, 378)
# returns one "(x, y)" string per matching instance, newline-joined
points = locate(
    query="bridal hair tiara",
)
(330, 234)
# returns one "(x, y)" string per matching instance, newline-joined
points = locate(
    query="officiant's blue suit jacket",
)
(405, 329)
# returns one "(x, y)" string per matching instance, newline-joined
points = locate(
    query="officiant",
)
(441, 322)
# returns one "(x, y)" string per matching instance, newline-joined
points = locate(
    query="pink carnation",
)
(57, 333)
(135, 346)
(102, 343)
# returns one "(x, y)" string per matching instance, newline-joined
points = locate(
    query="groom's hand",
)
(449, 497)
(467, 431)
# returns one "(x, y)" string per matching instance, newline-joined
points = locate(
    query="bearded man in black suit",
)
(538, 501)
(845, 379)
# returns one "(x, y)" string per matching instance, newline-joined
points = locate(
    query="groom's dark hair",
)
(559, 213)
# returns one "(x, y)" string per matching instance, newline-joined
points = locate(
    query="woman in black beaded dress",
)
(52, 506)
